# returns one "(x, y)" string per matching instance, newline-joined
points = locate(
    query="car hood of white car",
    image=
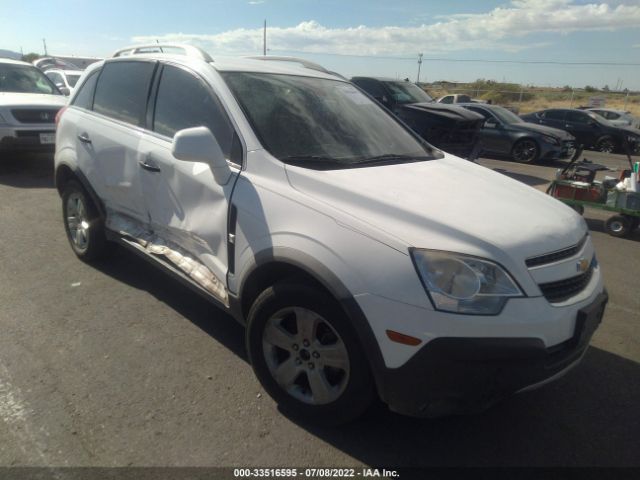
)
(447, 204)
(13, 99)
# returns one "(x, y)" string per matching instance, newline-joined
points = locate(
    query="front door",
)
(187, 208)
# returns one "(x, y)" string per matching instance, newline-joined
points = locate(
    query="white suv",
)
(362, 260)
(29, 103)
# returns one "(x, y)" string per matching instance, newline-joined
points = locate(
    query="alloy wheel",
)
(77, 221)
(306, 356)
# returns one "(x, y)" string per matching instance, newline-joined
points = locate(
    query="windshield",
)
(505, 116)
(72, 79)
(321, 123)
(407, 92)
(24, 79)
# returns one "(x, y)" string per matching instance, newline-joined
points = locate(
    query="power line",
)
(478, 60)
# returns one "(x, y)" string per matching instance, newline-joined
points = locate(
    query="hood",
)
(450, 112)
(545, 130)
(448, 204)
(13, 99)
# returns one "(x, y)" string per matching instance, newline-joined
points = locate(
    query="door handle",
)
(148, 166)
(84, 138)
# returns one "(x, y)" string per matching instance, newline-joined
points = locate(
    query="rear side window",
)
(447, 99)
(578, 117)
(84, 98)
(372, 87)
(122, 91)
(184, 101)
(554, 114)
(481, 111)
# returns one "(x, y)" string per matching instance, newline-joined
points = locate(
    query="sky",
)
(461, 40)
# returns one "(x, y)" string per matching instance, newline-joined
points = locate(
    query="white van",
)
(362, 260)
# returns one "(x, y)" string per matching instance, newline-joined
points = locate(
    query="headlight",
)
(551, 140)
(463, 284)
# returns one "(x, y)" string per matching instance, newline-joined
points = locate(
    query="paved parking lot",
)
(116, 365)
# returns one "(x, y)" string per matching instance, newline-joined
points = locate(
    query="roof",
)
(64, 71)
(380, 79)
(238, 64)
(14, 62)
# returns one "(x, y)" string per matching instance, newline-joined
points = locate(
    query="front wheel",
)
(306, 354)
(525, 151)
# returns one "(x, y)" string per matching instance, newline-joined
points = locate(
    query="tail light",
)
(59, 115)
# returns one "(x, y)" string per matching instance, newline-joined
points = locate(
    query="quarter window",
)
(122, 91)
(184, 101)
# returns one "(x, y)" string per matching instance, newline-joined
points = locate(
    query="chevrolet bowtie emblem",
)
(582, 265)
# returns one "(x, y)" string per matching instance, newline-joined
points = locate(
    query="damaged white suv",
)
(362, 260)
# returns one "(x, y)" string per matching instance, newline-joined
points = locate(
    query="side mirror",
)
(65, 91)
(199, 145)
(490, 123)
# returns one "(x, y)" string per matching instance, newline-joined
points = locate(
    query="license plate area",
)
(47, 138)
(588, 320)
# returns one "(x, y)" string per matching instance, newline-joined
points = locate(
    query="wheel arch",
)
(65, 173)
(277, 264)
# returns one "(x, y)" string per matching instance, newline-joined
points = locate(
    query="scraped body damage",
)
(156, 245)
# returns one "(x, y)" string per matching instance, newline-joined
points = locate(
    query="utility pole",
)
(44, 43)
(419, 65)
(264, 39)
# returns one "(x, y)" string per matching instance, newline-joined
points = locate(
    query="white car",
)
(617, 117)
(65, 80)
(362, 260)
(29, 103)
(458, 98)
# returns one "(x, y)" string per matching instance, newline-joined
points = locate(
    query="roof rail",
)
(301, 61)
(188, 50)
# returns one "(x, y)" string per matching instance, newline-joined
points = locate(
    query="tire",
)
(618, 226)
(525, 150)
(290, 364)
(83, 224)
(606, 145)
(634, 223)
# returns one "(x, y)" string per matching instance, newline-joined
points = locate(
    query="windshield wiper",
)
(389, 158)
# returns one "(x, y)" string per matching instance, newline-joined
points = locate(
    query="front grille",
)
(35, 115)
(556, 256)
(562, 290)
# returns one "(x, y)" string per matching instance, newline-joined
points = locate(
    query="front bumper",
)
(464, 375)
(563, 151)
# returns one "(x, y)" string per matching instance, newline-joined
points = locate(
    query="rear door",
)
(553, 118)
(109, 136)
(493, 136)
(582, 126)
(186, 206)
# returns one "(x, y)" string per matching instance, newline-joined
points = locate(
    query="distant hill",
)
(10, 54)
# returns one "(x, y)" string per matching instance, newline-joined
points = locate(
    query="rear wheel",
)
(618, 226)
(84, 227)
(525, 151)
(606, 145)
(307, 356)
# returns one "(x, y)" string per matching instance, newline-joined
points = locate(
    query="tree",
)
(590, 89)
(605, 88)
(30, 57)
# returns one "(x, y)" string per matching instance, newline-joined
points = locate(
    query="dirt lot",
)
(116, 365)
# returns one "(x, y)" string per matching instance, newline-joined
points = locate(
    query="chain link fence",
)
(529, 99)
